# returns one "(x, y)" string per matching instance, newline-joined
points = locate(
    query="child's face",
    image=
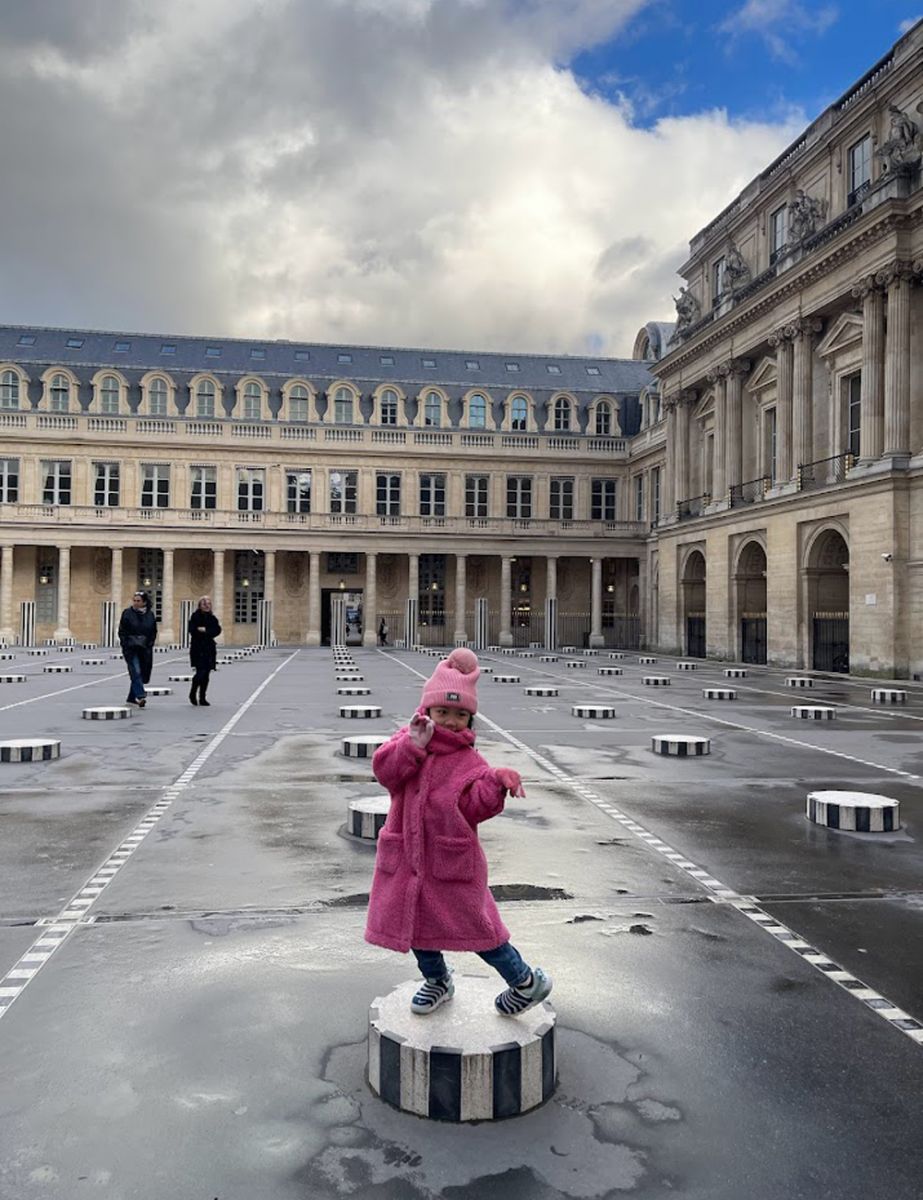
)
(450, 717)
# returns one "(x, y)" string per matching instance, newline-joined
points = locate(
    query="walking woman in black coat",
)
(137, 635)
(203, 629)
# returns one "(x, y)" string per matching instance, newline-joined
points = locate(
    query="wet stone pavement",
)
(192, 1024)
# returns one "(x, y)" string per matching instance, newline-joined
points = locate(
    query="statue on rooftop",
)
(902, 152)
(804, 214)
(736, 271)
(687, 312)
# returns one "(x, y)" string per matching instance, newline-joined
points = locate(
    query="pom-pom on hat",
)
(454, 682)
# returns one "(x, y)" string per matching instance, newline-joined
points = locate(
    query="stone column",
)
(681, 450)
(115, 578)
(7, 633)
(269, 589)
(506, 633)
(551, 578)
(719, 465)
(897, 363)
(737, 368)
(64, 594)
(461, 598)
(313, 638)
(226, 618)
(413, 577)
(871, 434)
(668, 481)
(370, 601)
(782, 341)
(803, 394)
(596, 602)
(166, 634)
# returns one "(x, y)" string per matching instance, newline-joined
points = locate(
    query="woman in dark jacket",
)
(203, 629)
(137, 635)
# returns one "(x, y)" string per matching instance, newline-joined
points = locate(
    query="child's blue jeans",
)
(506, 959)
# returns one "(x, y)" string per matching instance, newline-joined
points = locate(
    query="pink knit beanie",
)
(454, 682)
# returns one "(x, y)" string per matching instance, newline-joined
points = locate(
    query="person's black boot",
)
(203, 703)
(192, 692)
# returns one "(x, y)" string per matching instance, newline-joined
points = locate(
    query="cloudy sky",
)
(517, 174)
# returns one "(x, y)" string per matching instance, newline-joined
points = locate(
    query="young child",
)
(429, 892)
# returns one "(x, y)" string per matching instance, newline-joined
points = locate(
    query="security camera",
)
(887, 557)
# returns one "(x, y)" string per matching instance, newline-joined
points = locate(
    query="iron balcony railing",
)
(749, 492)
(687, 509)
(825, 471)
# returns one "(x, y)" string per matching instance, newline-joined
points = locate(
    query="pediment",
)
(764, 375)
(845, 332)
(705, 407)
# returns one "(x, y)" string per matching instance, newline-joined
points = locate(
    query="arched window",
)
(109, 395)
(205, 398)
(343, 402)
(477, 412)
(298, 403)
(519, 414)
(253, 401)
(387, 407)
(603, 419)
(157, 395)
(9, 390)
(432, 410)
(59, 394)
(561, 414)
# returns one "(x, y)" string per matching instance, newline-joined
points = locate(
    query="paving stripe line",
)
(720, 893)
(76, 911)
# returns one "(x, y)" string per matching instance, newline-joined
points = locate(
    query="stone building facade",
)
(279, 476)
(793, 527)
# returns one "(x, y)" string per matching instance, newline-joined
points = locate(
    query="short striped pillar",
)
(540, 690)
(860, 812)
(362, 746)
(487, 670)
(547, 658)
(21, 750)
(180, 678)
(576, 665)
(113, 712)
(366, 816)
(36, 651)
(354, 690)
(157, 691)
(92, 662)
(719, 693)
(69, 649)
(593, 712)
(687, 666)
(735, 672)
(617, 654)
(646, 659)
(57, 668)
(608, 670)
(799, 681)
(526, 654)
(359, 711)
(591, 653)
(813, 712)
(656, 680)
(349, 677)
(89, 646)
(508, 650)
(569, 649)
(463, 1062)
(506, 679)
(12, 679)
(889, 696)
(680, 745)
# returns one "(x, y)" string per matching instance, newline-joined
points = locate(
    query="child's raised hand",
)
(421, 730)
(511, 780)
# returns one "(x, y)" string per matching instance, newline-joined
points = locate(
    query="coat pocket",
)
(390, 851)
(454, 859)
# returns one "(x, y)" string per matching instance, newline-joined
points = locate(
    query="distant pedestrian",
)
(203, 653)
(383, 632)
(137, 635)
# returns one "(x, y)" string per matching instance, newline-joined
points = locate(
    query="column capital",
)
(899, 271)
(737, 366)
(865, 287)
(785, 333)
(806, 327)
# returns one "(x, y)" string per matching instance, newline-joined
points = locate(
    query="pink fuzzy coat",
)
(430, 885)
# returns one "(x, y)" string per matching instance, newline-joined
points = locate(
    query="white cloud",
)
(906, 26)
(780, 23)
(407, 171)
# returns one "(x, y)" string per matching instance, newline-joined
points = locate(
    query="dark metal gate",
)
(753, 638)
(830, 642)
(695, 635)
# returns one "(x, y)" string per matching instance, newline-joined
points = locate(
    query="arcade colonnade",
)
(66, 591)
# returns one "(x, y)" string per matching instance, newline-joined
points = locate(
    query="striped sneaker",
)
(433, 993)
(517, 1000)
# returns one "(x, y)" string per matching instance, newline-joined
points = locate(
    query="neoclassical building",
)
(792, 528)
(459, 496)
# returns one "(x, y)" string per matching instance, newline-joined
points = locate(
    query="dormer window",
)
(519, 414)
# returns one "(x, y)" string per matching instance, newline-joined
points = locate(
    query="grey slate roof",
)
(317, 362)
